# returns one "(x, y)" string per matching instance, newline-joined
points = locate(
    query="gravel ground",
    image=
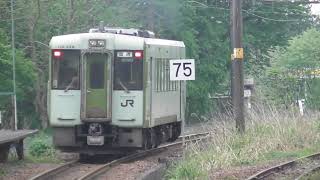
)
(133, 170)
(22, 170)
(76, 171)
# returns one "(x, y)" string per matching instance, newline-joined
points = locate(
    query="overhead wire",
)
(271, 19)
(202, 5)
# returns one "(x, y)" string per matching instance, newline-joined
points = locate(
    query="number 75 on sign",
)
(182, 69)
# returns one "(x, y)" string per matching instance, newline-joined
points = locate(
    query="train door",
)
(97, 88)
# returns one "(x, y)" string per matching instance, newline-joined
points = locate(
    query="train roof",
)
(113, 41)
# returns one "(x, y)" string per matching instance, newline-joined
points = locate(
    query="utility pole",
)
(14, 68)
(237, 66)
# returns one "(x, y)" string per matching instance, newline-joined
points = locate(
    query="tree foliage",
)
(203, 25)
(25, 76)
(294, 70)
(302, 51)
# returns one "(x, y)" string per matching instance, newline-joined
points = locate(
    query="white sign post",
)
(182, 70)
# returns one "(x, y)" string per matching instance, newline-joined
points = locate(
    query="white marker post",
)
(182, 70)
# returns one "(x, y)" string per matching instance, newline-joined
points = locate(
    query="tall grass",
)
(270, 133)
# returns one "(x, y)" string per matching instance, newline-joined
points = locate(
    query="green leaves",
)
(25, 74)
(303, 51)
(290, 76)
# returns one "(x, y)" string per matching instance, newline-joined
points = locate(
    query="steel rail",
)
(52, 172)
(193, 135)
(308, 173)
(278, 168)
(104, 168)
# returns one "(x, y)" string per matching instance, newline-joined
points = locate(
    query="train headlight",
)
(93, 43)
(101, 43)
(97, 43)
(138, 54)
(58, 54)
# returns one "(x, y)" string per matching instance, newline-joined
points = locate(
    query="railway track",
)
(66, 171)
(92, 171)
(297, 169)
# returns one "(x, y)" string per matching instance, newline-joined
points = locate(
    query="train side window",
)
(163, 67)
(163, 75)
(157, 74)
(160, 75)
(173, 85)
(162, 78)
(168, 75)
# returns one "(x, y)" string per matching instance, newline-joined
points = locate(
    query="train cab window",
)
(65, 69)
(128, 74)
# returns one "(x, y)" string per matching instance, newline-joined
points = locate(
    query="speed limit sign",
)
(182, 69)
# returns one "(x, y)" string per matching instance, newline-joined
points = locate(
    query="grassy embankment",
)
(270, 135)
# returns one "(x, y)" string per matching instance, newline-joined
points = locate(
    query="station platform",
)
(9, 138)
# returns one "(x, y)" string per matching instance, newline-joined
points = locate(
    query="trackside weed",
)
(270, 134)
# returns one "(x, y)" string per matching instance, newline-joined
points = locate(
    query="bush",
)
(41, 147)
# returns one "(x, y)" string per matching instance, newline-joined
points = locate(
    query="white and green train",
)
(110, 91)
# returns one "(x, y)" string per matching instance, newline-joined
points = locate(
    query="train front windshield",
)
(128, 73)
(65, 69)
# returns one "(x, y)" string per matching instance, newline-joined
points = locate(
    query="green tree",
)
(25, 76)
(271, 24)
(294, 70)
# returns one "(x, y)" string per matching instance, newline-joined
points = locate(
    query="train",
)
(109, 91)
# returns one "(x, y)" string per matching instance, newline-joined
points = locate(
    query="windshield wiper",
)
(73, 81)
(123, 86)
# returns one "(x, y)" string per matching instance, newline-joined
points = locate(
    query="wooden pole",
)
(237, 66)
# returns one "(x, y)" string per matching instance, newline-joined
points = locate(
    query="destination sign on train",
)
(124, 54)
